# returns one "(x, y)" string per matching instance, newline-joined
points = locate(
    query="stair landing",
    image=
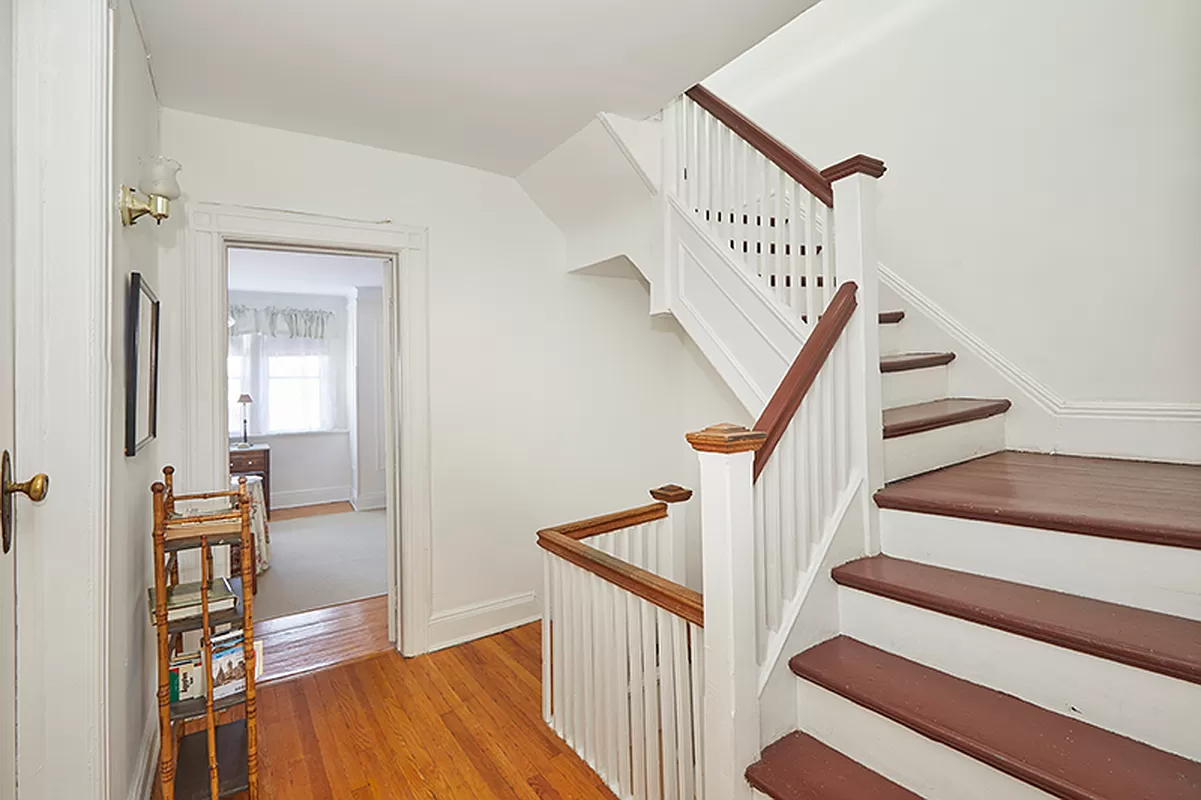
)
(1135, 500)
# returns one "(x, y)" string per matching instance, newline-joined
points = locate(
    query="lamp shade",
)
(244, 399)
(158, 177)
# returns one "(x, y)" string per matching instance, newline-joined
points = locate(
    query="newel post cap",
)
(727, 438)
(671, 494)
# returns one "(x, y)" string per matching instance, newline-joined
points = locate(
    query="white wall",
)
(553, 396)
(309, 468)
(132, 674)
(370, 460)
(1044, 180)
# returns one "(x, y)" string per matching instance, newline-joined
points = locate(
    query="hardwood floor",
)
(297, 644)
(280, 514)
(460, 724)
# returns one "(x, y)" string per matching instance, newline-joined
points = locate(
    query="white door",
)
(8, 605)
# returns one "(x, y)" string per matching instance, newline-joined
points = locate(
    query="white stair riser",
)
(914, 386)
(1154, 577)
(941, 447)
(1143, 705)
(890, 338)
(932, 770)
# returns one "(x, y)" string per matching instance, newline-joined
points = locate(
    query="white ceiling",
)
(494, 84)
(301, 273)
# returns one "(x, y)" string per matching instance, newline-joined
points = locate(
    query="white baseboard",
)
(143, 784)
(370, 501)
(1155, 431)
(458, 625)
(309, 497)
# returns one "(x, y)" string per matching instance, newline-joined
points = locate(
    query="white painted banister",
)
(727, 455)
(623, 672)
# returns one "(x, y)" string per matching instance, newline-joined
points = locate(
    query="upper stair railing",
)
(770, 209)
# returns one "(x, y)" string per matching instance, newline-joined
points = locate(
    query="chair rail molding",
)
(204, 450)
(1116, 429)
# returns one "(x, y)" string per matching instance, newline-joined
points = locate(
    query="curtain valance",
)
(288, 323)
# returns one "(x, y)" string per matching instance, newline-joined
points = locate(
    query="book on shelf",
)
(229, 669)
(183, 601)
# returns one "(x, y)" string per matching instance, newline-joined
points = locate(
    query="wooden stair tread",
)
(1135, 500)
(799, 767)
(886, 317)
(1145, 639)
(904, 420)
(891, 317)
(1062, 756)
(903, 362)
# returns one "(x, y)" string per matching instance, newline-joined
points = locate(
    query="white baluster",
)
(789, 532)
(650, 700)
(621, 661)
(667, 702)
(697, 662)
(796, 297)
(548, 662)
(638, 754)
(683, 704)
(780, 262)
(811, 244)
(770, 478)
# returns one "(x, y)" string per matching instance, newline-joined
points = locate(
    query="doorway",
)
(305, 393)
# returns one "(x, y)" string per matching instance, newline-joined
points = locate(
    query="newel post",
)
(731, 732)
(856, 259)
(674, 544)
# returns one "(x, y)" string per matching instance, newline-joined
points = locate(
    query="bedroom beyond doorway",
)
(305, 374)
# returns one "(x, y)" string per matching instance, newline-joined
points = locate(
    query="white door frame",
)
(64, 219)
(212, 228)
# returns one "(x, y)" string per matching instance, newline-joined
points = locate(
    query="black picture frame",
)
(141, 365)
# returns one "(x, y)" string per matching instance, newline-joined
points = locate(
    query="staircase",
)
(894, 605)
(1032, 627)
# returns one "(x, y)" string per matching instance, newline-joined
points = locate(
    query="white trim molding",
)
(211, 229)
(144, 775)
(1155, 431)
(458, 625)
(63, 231)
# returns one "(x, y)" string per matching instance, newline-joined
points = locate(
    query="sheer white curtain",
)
(285, 360)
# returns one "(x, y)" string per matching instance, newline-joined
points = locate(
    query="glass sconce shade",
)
(158, 177)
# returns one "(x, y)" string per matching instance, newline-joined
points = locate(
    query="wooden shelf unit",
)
(217, 760)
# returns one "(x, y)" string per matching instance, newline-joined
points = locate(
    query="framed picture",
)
(141, 365)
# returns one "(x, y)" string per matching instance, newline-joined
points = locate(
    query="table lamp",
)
(245, 400)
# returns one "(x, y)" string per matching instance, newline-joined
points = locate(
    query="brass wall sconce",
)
(158, 184)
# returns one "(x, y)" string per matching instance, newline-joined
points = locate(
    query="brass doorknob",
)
(35, 488)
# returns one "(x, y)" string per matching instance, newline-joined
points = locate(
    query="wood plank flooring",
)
(313, 640)
(341, 507)
(460, 724)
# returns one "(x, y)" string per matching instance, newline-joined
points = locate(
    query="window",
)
(295, 381)
(294, 393)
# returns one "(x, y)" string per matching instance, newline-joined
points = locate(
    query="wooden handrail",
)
(667, 595)
(819, 183)
(772, 148)
(788, 395)
(610, 522)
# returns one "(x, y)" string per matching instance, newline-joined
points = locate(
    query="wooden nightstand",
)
(253, 460)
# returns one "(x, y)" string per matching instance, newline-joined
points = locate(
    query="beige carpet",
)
(323, 560)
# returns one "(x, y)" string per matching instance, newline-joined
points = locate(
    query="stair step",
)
(904, 420)
(799, 767)
(886, 317)
(891, 317)
(1145, 639)
(1064, 757)
(1134, 500)
(900, 362)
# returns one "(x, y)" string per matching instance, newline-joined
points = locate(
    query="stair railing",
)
(622, 650)
(773, 498)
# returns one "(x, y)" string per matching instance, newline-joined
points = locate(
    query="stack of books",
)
(229, 669)
(183, 601)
